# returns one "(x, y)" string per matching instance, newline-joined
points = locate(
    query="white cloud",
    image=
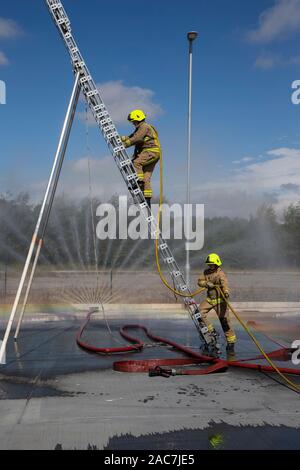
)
(120, 99)
(105, 178)
(232, 203)
(73, 182)
(243, 160)
(275, 179)
(281, 167)
(3, 59)
(269, 61)
(266, 62)
(277, 22)
(9, 28)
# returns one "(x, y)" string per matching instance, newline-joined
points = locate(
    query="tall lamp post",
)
(191, 36)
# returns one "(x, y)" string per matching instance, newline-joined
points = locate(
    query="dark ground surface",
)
(55, 395)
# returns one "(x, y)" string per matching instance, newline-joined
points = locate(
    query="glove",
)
(126, 141)
(226, 295)
(210, 285)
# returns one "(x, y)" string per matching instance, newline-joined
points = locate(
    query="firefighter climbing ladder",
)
(85, 83)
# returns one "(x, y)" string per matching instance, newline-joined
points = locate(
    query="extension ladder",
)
(124, 164)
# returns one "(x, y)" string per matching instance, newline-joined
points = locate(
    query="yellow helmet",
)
(213, 258)
(136, 115)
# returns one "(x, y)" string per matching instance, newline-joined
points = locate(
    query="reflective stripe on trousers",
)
(214, 301)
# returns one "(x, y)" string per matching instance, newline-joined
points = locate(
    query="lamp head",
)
(192, 35)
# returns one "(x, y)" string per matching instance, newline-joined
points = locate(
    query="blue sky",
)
(246, 131)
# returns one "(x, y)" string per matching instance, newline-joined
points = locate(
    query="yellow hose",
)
(257, 344)
(163, 279)
(292, 384)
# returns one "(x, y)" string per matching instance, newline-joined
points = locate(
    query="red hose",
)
(138, 346)
(216, 364)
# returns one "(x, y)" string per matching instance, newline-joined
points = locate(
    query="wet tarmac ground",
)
(55, 395)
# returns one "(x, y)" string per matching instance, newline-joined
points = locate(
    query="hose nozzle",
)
(161, 372)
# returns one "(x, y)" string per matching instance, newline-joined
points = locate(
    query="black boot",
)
(148, 200)
(230, 348)
(230, 352)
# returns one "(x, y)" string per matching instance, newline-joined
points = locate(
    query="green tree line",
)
(261, 241)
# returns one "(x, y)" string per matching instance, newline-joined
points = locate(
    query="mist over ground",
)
(258, 242)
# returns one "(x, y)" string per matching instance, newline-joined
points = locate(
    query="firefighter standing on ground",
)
(211, 277)
(147, 150)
